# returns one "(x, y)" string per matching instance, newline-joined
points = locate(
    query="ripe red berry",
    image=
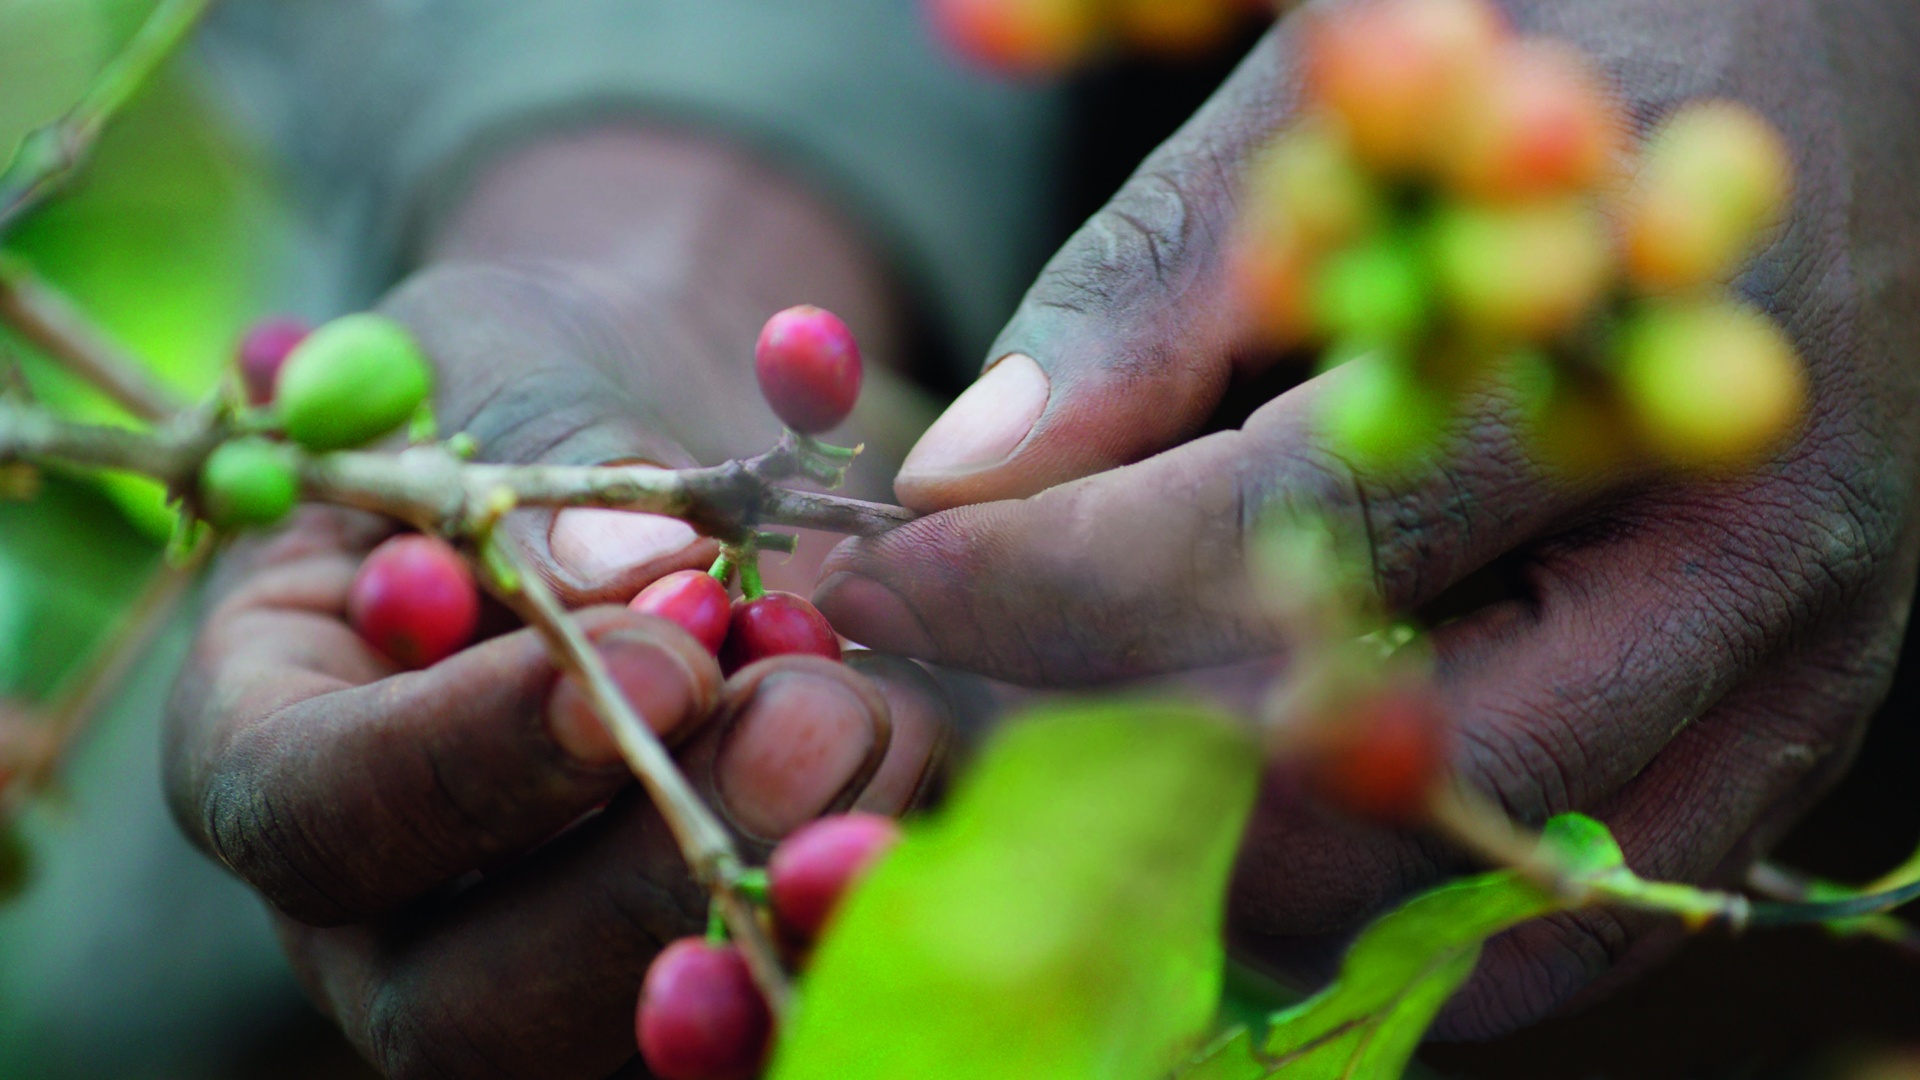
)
(414, 599)
(695, 600)
(813, 868)
(701, 1017)
(1017, 37)
(777, 624)
(262, 352)
(809, 368)
(1381, 757)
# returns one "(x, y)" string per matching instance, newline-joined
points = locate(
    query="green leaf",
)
(1367, 1024)
(1062, 918)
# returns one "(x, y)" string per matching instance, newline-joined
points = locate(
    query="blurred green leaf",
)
(1062, 918)
(49, 49)
(1367, 1024)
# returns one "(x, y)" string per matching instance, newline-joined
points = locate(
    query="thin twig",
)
(47, 318)
(704, 841)
(50, 155)
(433, 489)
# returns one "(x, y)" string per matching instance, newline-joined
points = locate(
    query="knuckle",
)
(251, 833)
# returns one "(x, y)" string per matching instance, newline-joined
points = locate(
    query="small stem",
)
(751, 586)
(47, 318)
(703, 840)
(1476, 823)
(50, 155)
(722, 569)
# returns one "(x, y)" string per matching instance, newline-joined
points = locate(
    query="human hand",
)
(1692, 662)
(466, 878)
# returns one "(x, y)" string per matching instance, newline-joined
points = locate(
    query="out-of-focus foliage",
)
(169, 240)
(1061, 918)
(1400, 971)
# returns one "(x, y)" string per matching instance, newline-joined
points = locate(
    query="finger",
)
(561, 941)
(1140, 570)
(1126, 343)
(798, 737)
(529, 368)
(341, 789)
(1703, 811)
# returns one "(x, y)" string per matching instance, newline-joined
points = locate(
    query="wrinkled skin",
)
(1693, 662)
(445, 887)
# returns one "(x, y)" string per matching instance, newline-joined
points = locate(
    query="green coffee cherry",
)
(1379, 412)
(1377, 290)
(355, 379)
(248, 483)
(1710, 384)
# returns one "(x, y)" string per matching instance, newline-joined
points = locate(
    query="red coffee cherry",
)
(813, 868)
(695, 600)
(1381, 757)
(262, 352)
(701, 1017)
(777, 624)
(809, 368)
(414, 599)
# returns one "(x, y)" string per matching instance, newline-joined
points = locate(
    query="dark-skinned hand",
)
(1693, 661)
(466, 877)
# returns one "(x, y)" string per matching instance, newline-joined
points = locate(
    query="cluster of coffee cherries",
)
(701, 1016)
(1039, 37)
(1456, 202)
(414, 597)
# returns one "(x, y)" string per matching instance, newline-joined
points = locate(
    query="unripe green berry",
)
(1378, 290)
(1378, 411)
(355, 379)
(1712, 384)
(248, 483)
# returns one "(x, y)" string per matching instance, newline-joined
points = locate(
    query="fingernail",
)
(650, 676)
(596, 545)
(872, 614)
(792, 753)
(984, 425)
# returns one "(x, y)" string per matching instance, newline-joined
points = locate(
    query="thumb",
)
(1126, 343)
(529, 366)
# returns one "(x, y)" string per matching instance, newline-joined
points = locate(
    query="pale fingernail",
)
(595, 545)
(793, 752)
(983, 425)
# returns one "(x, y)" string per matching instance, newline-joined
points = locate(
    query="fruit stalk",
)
(47, 318)
(704, 842)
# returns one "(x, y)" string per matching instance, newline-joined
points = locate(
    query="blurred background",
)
(127, 955)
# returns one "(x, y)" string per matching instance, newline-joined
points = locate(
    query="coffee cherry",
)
(1269, 275)
(1176, 28)
(813, 868)
(1710, 385)
(777, 624)
(1525, 272)
(1381, 757)
(1715, 177)
(1309, 184)
(352, 381)
(248, 483)
(1390, 69)
(695, 600)
(809, 368)
(701, 1017)
(414, 600)
(264, 350)
(1537, 121)
(1377, 410)
(1017, 37)
(1376, 291)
